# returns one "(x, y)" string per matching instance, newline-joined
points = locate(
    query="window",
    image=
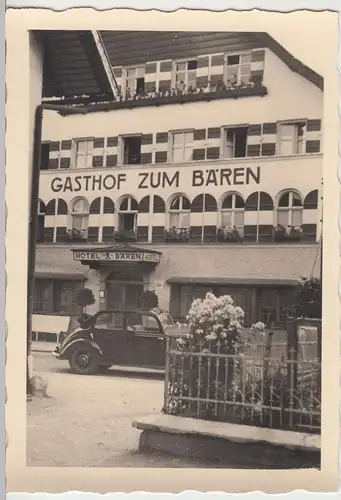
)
(79, 218)
(128, 214)
(276, 306)
(44, 156)
(185, 74)
(179, 213)
(135, 81)
(238, 69)
(83, 153)
(182, 147)
(235, 141)
(109, 320)
(290, 210)
(232, 213)
(131, 149)
(292, 138)
(56, 296)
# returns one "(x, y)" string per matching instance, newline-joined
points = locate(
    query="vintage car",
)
(116, 337)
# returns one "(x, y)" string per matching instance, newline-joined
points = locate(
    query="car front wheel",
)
(84, 361)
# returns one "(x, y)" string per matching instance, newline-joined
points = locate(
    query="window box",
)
(177, 235)
(289, 234)
(228, 235)
(76, 235)
(125, 235)
(176, 96)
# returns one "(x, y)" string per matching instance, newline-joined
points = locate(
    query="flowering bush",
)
(216, 318)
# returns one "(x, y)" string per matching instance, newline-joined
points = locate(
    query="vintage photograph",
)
(175, 251)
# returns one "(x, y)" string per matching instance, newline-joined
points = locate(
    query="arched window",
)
(179, 213)
(79, 218)
(259, 201)
(159, 206)
(289, 210)
(51, 208)
(232, 213)
(128, 214)
(311, 200)
(61, 207)
(108, 206)
(144, 205)
(204, 203)
(95, 207)
(41, 221)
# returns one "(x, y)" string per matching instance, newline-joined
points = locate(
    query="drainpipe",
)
(32, 228)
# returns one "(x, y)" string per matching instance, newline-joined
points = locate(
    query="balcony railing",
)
(176, 95)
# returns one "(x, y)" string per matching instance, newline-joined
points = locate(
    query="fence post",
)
(166, 383)
(292, 355)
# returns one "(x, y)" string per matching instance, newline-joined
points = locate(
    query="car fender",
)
(63, 353)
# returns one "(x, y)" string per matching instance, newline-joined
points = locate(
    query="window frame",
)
(172, 133)
(55, 286)
(236, 53)
(186, 71)
(74, 154)
(224, 130)
(290, 209)
(297, 139)
(180, 212)
(120, 149)
(233, 210)
(125, 77)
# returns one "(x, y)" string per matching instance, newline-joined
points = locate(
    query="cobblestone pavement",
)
(86, 421)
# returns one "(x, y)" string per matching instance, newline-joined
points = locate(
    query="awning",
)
(181, 280)
(270, 265)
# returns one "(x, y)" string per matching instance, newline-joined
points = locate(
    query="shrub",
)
(148, 300)
(85, 298)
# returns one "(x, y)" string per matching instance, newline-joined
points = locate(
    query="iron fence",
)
(280, 389)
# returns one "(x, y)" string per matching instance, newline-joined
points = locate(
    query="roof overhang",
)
(231, 281)
(74, 66)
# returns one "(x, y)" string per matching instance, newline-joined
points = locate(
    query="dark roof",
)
(136, 47)
(73, 66)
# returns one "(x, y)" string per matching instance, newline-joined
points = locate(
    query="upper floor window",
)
(290, 210)
(235, 142)
(232, 213)
(179, 213)
(128, 210)
(80, 216)
(131, 150)
(292, 138)
(182, 146)
(135, 80)
(83, 153)
(238, 68)
(185, 74)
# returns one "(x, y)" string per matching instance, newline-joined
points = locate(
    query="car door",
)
(110, 335)
(148, 344)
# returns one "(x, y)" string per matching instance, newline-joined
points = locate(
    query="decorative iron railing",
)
(280, 389)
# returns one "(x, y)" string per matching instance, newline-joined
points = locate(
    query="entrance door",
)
(123, 295)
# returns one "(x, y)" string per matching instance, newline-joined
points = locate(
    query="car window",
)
(166, 319)
(109, 320)
(149, 322)
(134, 322)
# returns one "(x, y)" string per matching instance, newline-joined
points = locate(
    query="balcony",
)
(179, 96)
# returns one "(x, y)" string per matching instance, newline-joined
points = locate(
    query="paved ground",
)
(86, 420)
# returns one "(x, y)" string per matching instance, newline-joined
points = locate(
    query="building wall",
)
(35, 84)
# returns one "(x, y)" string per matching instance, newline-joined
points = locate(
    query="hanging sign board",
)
(116, 256)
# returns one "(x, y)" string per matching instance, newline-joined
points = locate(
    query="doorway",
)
(123, 291)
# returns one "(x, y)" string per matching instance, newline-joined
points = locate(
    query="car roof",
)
(140, 311)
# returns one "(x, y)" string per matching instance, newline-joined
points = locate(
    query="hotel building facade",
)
(204, 174)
